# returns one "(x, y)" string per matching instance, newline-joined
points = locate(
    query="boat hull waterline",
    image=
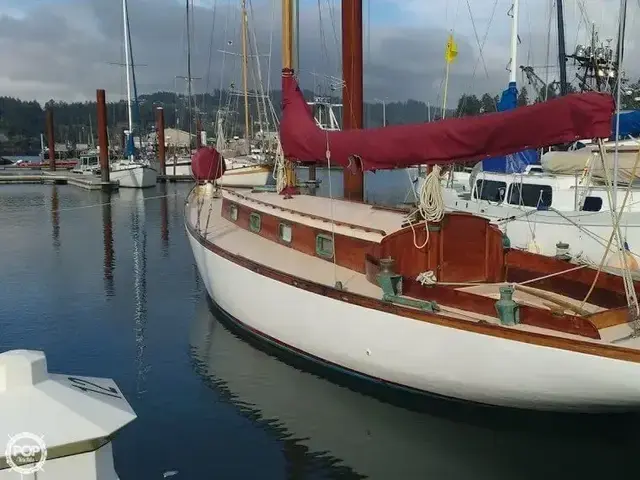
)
(415, 355)
(134, 176)
(244, 176)
(254, 176)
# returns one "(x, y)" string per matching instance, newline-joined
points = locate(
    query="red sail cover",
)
(207, 164)
(562, 120)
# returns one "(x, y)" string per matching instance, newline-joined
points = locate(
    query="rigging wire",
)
(211, 37)
(480, 54)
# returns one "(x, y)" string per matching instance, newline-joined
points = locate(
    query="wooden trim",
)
(486, 305)
(348, 251)
(539, 339)
(608, 293)
(307, 215)
(360, 256)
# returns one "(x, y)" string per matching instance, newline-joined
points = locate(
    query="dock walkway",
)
(88, 182)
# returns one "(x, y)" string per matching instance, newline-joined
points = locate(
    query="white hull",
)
(250, 176)
(237, 175)
(587, 233)
(417, 355)
(134, 176)
(180, 169)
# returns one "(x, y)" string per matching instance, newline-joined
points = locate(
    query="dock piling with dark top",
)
(51, 139)
(160, 138)
(103, 139)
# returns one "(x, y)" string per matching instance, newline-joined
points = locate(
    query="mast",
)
(352, 111)
(514, 41)
(190, 114)
(244, 75)
(622, 26)
(619, 59)
(91, 144)
(127, 62)
(562, 56)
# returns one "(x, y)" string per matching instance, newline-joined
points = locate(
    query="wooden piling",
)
(103, 139)
(51, 139)
(162, 154)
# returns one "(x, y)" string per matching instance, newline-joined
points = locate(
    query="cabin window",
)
(233, 212)
(324, 245)
(592, 204)
(490, 190)
(530, 195)
(254, 222)
(284, 232)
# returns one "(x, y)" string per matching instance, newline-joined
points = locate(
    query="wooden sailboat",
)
(443, 307)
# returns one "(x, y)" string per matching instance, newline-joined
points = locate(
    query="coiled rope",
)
(430, 204)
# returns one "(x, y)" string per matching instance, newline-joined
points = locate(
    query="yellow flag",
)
(451, 52)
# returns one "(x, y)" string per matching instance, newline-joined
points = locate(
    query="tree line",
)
(22, 122)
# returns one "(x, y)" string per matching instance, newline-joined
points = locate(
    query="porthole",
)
(233, 212)
(324, 245)
(254, 222)
(285, 233)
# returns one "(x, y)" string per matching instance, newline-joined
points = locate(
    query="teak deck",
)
(462, 248)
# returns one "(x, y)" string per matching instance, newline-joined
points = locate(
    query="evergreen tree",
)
(523, 97)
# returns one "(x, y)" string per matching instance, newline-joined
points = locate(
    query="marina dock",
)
(87, 182)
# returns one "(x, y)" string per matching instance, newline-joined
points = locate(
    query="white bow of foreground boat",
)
(57, 426)
(269, 264)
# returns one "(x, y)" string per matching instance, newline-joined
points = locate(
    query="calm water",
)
(113, 291)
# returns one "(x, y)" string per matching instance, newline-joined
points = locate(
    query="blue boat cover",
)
(517, 162)
(131, 148)
(629, 124)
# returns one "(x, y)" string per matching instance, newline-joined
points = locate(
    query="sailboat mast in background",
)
(127, 61)
(515, 12)
(562, 55)
(189, 94)
(245, 79)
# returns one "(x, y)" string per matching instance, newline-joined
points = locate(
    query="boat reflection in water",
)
(360, 435)
(139, 243)
(55, 218)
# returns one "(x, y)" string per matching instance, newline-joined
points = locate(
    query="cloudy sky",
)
(65, 49)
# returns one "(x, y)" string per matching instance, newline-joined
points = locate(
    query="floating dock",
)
(88, 182)
(174, 178)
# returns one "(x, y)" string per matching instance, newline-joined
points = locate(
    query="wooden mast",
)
(245, 75)
(287, 69)
(287, 35)
(352, 111)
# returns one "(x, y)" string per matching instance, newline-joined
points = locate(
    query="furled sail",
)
(562, 120)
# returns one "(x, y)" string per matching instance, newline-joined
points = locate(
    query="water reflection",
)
(109, 253)
(139, 240)
(361, 436)
(55, 218)
(164, 221)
